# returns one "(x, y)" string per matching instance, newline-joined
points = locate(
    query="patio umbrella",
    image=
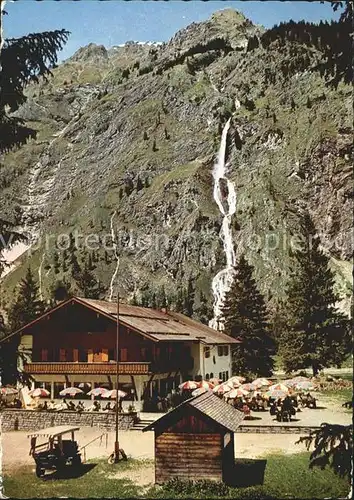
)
(236, 393)
(237, 378)
(97, 391)
(279, 387)
(7, 391)
(248, 387)
(215, 380)
(199, 391)
(276, 394)
(234, 382)
(190, 385)
(39, 393)
(84, 384)
(261, 382)
(71, 391)
(300, 378)
(206, 384)
(290, 382)
(113, 394)
(305, 385)
(222, 388)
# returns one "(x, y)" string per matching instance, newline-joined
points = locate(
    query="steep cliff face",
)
(127, 139)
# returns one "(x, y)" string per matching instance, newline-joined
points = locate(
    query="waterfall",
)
(222, 281)
(115, 272)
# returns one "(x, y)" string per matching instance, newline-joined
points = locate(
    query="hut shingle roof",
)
(213, 407)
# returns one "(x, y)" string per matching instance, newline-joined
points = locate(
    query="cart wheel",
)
(39, 471)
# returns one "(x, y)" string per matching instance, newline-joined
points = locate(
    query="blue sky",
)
(113, 22)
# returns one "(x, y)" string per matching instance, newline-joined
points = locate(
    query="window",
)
(62, 355)
(220, 376)
(227, 375)
(111, 355)
(220, 350)
(207, 352)
(75, 355)
(143, 354)
(207, 376)
(226, 350)
(82, 356)
(44, 355)
(123, 354)
(212, 375)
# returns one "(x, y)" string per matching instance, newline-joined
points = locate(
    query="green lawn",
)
(285, 476)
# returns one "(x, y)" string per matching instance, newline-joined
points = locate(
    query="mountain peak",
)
(91, 52)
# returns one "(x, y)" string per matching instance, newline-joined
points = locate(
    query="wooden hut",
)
(196, 440)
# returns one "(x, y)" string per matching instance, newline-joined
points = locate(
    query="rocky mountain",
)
(127, 139)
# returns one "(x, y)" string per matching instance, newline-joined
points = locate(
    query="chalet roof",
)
(157, 325)
(210, 405)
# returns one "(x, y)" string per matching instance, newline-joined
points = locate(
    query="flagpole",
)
(116, 444)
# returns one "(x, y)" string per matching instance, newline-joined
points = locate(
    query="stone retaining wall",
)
(29, 420)
(276, 429)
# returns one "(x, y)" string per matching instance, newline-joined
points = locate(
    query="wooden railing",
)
(71, 368)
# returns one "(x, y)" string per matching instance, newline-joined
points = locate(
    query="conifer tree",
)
(188, 301)
(27, 305)
(23, 61)
(2, 327)
(201, 310)
(179, 300)
(316, 333)
(161, 299)
(75, 266)
(60, 291)
(245, 318)
(88, 286)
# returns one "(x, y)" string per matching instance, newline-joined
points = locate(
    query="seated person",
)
(71, 406)
(108, 407)
(80, 407)
(51, 406)
(95, 407)
(246, 410)
(273, 408)
(65, 405)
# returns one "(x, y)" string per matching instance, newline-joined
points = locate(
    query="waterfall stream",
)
(222, 281)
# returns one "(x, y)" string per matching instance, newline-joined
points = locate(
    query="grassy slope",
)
(285, 477)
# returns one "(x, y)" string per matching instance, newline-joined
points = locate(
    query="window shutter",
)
(44, 355)
(75, 355)
(62, 355)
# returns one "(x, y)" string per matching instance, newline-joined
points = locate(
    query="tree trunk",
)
(315, 369)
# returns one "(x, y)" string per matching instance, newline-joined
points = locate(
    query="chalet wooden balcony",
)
(77, 368)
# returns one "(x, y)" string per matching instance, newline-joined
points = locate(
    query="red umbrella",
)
(189, 385)
(70, 391)
(39, 393)
(97, 391)
(215, 380)
(7, 391)
(236, 393)
(248, 387)
(222, 388)
(113, 394)
(206, 384)
(261, 382)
